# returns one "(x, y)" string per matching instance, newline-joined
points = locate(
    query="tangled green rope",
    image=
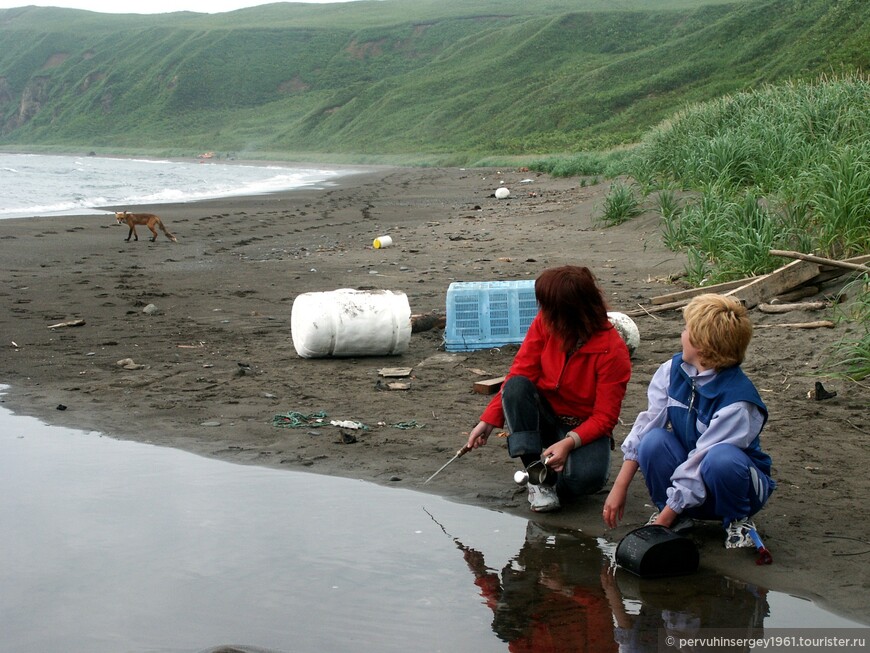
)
(296, 420)
(407, 425)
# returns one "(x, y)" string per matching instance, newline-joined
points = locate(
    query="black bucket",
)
(656, 551)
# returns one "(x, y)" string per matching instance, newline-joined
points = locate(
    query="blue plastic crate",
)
(487, 314)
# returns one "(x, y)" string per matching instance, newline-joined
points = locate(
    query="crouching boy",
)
(697, 443)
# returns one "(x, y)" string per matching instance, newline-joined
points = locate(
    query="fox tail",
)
(168, 233)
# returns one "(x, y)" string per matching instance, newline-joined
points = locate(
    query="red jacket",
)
(589, 384)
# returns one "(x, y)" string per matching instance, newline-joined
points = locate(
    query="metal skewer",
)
(458, 455)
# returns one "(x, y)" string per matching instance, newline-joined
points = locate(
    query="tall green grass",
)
(609, 163)
(781, 167)
(851, 356)
(621, 204)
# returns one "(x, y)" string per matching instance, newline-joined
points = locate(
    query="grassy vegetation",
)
(620, 205)
(851, 357)
(781, 167)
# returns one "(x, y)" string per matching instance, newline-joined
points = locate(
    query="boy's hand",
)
(666, 517)
(614, 506)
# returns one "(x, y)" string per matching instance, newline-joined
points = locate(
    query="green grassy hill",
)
(410, 78)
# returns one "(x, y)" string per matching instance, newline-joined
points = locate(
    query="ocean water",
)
(42, 185)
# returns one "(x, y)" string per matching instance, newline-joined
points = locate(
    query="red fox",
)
(148, 219)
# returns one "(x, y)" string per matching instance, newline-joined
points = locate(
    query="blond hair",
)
(719, 328)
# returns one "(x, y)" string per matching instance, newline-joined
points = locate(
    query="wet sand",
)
(210, 369)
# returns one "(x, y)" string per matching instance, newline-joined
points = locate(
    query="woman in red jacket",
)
(563, 393)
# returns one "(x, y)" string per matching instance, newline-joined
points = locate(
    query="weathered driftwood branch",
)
(821, 324)
(72, 323)
(801, 292)
(821, 260)
(427, 321)
(637, 312)
(680, 295)
(783, 284)
(785, 308)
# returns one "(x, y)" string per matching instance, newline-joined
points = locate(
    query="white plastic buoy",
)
(502, 193)
(627, 329)
(349, 322)
(381, 242)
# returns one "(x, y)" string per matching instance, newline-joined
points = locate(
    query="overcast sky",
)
(149, 6)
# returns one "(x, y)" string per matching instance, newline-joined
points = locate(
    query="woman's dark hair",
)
(571, 304)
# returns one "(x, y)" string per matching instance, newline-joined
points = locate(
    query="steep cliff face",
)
(5, 91)
(32, 99)
(19, 110)
(6, 102)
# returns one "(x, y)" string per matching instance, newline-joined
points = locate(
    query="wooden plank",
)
(426, 321)
(777, 282)
(637, 312)
(395, 371)
(489, 386)
(680, 295)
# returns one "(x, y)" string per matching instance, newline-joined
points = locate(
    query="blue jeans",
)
(736, 488)
(533, 426)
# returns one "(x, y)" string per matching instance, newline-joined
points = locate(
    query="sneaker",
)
(543, 498)
(681, 525)
(737, 534)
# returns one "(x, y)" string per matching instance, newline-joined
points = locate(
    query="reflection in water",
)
(559, 594)
(644, 612)
(115, 546)
(548, 598)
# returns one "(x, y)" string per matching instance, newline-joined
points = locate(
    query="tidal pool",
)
(114, 546)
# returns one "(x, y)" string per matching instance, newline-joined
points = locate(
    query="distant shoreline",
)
(54, 195)
(291, 159)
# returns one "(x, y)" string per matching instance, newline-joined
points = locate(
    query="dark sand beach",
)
(212, 366)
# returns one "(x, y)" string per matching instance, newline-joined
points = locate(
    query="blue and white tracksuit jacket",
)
(697, 411)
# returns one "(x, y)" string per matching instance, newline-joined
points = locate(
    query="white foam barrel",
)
(626, 328)
(349, 322)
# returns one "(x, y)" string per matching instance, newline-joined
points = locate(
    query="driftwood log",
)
(71, 323)
(427, 321)
(789, 283)
(785, 308)
(635, 312)
(801, 292)
(847, 265)
(821, 324)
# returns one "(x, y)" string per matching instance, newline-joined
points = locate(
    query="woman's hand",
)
(555, 456)
(479, 435)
